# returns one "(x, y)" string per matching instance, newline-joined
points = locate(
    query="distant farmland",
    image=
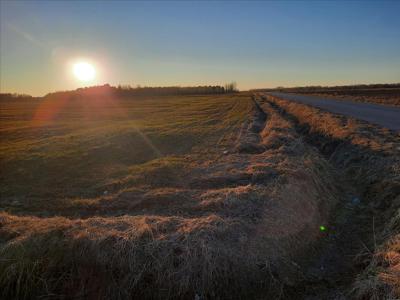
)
(219, 196)
(388, 94)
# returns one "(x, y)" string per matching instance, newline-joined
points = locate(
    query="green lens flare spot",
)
(322, 228)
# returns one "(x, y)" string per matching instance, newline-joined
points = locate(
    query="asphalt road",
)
(385, 116)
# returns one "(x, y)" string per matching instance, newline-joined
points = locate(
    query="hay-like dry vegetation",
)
(167, 197)
(189, 197)
(387, 94)
(370, 156)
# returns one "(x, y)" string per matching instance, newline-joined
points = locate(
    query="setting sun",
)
(84, 71)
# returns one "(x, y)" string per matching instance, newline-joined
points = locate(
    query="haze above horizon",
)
(257, 44)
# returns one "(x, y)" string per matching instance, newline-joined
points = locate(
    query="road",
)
(385, 116)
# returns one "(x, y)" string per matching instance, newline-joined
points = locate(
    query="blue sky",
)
(257, 44)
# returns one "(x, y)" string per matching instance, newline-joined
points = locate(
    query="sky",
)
(257, 44)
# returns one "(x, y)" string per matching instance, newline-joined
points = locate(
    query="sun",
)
(84, 71)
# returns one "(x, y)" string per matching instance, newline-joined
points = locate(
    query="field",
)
(64, 152)
(387, 94)
(225, 196)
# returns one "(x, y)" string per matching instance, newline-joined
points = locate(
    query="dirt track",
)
(385, 116)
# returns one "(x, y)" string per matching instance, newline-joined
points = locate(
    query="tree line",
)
(15, 96)
(128, 91)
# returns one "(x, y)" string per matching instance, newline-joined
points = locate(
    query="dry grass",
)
(381, 279)
(379, 96)
(370, 156)
(387, 94)
(207, 220)
(147, 256)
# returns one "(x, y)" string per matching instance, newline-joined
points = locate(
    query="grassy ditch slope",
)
(187, 197)
(368, 227)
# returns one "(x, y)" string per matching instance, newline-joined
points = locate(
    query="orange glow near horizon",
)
(96, 105)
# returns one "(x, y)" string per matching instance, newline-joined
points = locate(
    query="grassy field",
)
(167, 197)
(226, 196)
(387, 94)
(58, 151)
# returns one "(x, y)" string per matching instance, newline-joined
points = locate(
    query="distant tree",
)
(231, 87)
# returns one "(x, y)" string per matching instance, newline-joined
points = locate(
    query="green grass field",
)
(52, 152)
